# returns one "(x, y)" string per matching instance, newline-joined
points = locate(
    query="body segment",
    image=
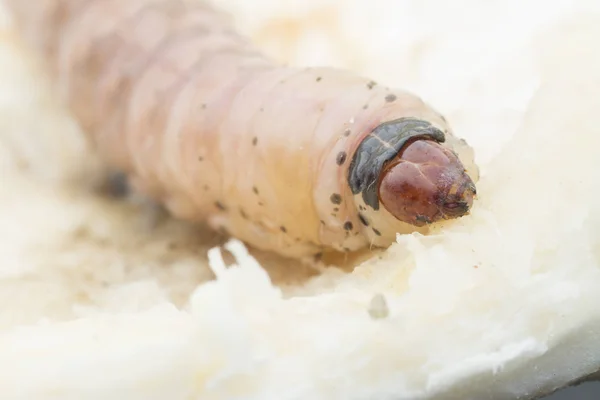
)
(287, 159)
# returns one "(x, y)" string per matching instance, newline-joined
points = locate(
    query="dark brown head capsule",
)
(403, 166)
(425, 183)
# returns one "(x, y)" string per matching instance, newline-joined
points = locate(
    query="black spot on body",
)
(335, 198)
(371, 85)
(347, 132)
(376, 232)
(255, 189)
(341, 158)
(390, 98)
(204, 106)
(363, 219)
(336, 209)
(206, 187)
(243, 213)
(254, 141)
(220, 205)
(322, 222)
(380, 146)
(260, 203)
(318, 79)
(283, 229)
(200, 158)
(348, 226)
(365, 106)
(117, 185)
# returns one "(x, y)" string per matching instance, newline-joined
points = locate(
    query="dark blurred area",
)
(585, 391)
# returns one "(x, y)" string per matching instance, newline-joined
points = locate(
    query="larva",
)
(292, 160)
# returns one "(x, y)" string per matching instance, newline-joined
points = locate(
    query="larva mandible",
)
(292, 160)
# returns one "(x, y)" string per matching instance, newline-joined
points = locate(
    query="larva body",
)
(286, 159)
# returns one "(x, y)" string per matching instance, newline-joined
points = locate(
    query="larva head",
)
(403, 166)
(424, 183)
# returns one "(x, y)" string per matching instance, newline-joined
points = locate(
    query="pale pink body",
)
(213, 129)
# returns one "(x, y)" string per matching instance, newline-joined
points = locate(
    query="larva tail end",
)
(426, 182)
